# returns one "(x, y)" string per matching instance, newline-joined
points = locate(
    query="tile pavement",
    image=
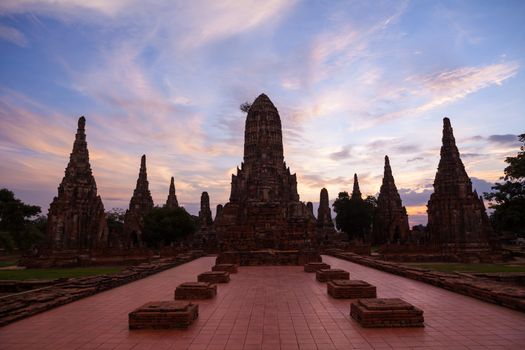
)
(270, 307)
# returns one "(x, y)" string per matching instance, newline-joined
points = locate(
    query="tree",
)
(508, 199)
(354, 215)
(19, 223)
(245, 107)
(163, 226)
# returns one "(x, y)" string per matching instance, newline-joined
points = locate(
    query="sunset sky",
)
(352, 80)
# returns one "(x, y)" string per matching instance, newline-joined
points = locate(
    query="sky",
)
(352, 80)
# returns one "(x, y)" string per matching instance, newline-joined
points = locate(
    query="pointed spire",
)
(76, 218)
(390, 218)
(172, 202)
(141, 195)
(451, 171)
(205, 211)
(356, 192)
(324, 215)
(388, 178)
(263, 139)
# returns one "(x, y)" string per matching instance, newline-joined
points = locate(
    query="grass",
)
(50, 274)
(7, 263)
(479, 268)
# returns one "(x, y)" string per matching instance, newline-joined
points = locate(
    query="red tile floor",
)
(273, 308)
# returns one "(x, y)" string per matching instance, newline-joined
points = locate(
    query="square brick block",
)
(163, 314)
(214, 277)
(386, 313)
(231, 268)
(350, 289)
(196, 290)
(316, 266)
(325, 275)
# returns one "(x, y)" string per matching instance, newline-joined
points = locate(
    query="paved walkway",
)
(270, 308)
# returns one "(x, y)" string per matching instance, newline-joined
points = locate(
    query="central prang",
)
(264, 211)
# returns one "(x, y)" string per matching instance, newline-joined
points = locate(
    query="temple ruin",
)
(457, 220)
(76, 219)
(171, 201)
(264, 211)
(390, 218)
(140, 204)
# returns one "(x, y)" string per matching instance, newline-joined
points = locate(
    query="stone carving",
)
(172, 202)
(390, 219)
(76, 219)
(205, 211)
(264, 211)
(139, 205)
(457, 219)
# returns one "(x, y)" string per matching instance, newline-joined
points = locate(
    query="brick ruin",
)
(171, 201)
(356, 192)
(140, 204)
(390, 219)
(326, 232)
(264, 211)
(205, 218)
(76, 219)
(457, 220)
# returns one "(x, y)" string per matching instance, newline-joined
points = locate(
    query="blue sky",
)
(353, 81)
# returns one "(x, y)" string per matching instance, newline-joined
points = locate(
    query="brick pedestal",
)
(386, 313)
(231, 268)
(214, 277)
(163, 314)
(350, 289)
(325, 275)
(196, 290)
(316, 266)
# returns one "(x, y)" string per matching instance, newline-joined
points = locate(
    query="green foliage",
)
(50, 274)
(20, 222)
(163, 226)
(508, 199)
(115, 220)
(354, 215)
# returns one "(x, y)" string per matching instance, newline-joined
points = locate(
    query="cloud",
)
(481, 185)
(342, 154)
(414, 159)
(507, 139)
(65, 8)
(452, 85)
(13, 35)
(414, 198)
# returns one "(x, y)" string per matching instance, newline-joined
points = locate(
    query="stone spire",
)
(310, 207)
(356, 192)
(390, 219)
(76, 219)
(218, 211)
(205, 213)
(172, 202)
(139, 205)
(264, 210)
(456, 215)
(263, 139)
(324, 215)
